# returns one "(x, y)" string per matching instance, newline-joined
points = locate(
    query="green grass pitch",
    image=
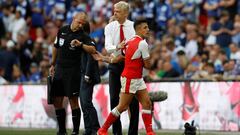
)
(16, 131)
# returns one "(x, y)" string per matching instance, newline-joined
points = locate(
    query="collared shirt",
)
(68, 55)
(112, 35)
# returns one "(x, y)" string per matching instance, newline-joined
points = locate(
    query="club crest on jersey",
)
(61, 41)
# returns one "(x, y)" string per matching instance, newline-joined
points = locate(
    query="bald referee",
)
(70, 43)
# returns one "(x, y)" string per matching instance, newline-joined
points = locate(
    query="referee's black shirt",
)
(67, 55)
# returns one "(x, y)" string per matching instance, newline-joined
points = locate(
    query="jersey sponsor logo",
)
(61, 41)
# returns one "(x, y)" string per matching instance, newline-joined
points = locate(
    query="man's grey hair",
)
(123, 5)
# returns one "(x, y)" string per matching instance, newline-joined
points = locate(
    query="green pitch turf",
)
(16, 131)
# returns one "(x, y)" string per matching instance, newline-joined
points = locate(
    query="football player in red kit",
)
(136, 58)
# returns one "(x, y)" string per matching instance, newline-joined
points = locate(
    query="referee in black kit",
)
(70, 43)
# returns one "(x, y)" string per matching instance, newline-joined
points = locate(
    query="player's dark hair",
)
(139, 22)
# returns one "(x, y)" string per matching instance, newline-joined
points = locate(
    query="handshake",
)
(158, 96)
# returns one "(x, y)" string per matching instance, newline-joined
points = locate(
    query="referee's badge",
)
(61, 42)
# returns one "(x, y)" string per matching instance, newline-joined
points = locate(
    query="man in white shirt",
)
(191, 47)
(117, 32)
(18, 25)
(234, 51)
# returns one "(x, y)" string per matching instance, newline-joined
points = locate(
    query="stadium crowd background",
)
(190, 39)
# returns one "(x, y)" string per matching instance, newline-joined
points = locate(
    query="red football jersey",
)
(135, 52)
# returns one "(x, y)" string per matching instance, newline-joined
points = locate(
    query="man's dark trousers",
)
(114, 88)
(90, 68)
(89, 112)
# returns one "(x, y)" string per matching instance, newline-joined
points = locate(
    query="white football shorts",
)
(132, 85)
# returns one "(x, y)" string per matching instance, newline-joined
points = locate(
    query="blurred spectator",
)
(228, 69)
(106, 9)
(190, 10)
(23, 6)
(138, 11)
(149, 13)
(236, 70)
(191, 47)
(25, 46)
(17, 25)
(37, 52)
(218, 65)
(76, 6)
(177, 7)
(158, 72)
(173, 49)
(171, 23)
(48, 9)
(234, 52)
(163, 14)
(169, 71)
(222, 30)
(212, 8)
(50, 29)
(230, 6)
(207, 73)
(44, 66)
(190, 71)
(182, 60)
(8, 59)
(180, 36)
(35, 76)
(98, 33)
(37, 13)
(172, 70)
(7, 18)
(236, 30)
(59, 10)
(17, 76)
(59, 20)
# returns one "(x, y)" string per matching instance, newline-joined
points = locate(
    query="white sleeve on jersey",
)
(143, 47)
(142, 51)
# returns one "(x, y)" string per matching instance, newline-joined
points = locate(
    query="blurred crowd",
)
(189, 39)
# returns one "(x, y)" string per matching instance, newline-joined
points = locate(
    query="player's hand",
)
(76, 43)
(121, 45)
(51, 70)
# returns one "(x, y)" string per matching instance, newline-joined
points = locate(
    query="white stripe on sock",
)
(146, 111)
(116, 112)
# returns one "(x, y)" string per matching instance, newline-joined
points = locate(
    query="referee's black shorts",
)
(66, 81)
